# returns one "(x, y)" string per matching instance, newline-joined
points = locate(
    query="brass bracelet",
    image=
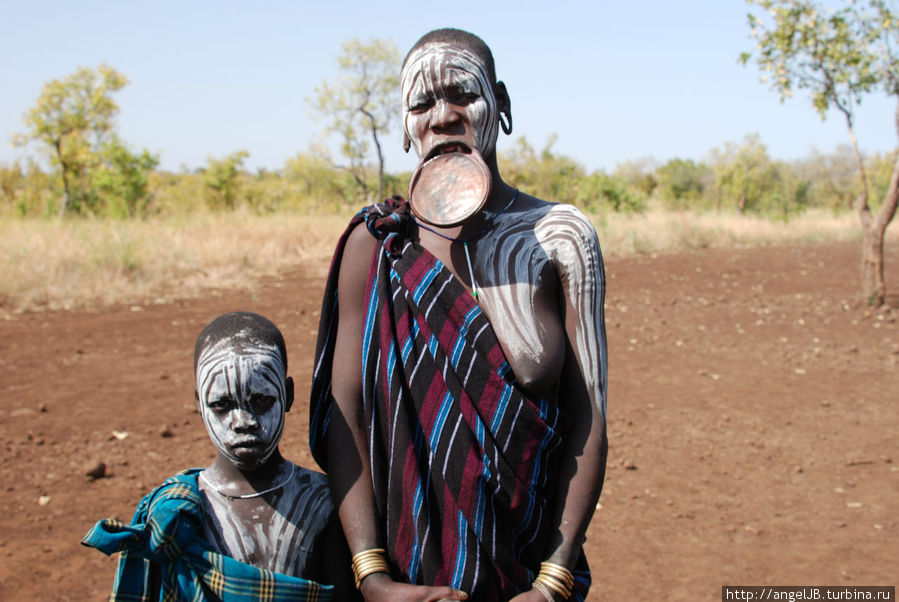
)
(367, 562)
(559, 572)
(555, 578)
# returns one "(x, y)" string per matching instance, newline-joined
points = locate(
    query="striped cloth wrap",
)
(462, 463)
(165, 539)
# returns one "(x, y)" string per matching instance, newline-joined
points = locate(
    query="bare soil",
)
(753, 412)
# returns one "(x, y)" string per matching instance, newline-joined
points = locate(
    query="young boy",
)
(251, 524)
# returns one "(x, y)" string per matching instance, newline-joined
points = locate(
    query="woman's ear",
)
(504, 107)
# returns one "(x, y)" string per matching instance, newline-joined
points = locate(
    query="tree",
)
(839, 57)
(72, 116)
(639, 175)
(363, 105)
(832, 177)
(221, 180)
(681, 182)
(120, 179)
(746, 176)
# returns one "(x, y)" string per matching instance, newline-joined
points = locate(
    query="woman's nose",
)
(443, 114)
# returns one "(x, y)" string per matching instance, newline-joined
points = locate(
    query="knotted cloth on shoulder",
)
(166, 531)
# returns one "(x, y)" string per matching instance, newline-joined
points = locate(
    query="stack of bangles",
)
(367, 562)
(554, 578)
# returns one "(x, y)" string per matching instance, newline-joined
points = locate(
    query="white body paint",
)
(242, 399)
(435, 68)
(510, 263)
(282, 527)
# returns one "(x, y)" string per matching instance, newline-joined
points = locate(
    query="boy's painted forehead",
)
(230, 348)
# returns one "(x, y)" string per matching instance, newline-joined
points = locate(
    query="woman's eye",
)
(419, 104)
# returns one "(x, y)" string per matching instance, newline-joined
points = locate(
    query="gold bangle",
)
(559, 572)
(367, 562)
(554, 584)
(554, 578)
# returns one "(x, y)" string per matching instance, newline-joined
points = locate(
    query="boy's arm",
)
(330, 562)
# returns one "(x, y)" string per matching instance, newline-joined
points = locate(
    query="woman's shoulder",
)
(553, 221)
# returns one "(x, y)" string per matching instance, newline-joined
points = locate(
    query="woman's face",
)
(448, 101)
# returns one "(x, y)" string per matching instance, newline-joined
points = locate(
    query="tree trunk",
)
(373, 127)
(873, 284)
(63, 206)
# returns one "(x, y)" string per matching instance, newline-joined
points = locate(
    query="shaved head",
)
(241, 326)
(461, 38)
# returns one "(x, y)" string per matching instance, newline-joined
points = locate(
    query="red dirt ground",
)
(752, 420)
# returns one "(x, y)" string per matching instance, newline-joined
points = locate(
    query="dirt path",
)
(753, 420)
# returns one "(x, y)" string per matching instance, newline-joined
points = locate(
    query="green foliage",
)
(121, 179)
(362, 106)
(26, 192)
(807, 47)
(682, 183)
(833, 178)
(600, 192)
(747, 178)
(557, 178)
(222, 180)
(318, 186)
(73, 117)
(639, 175)
(880, 167)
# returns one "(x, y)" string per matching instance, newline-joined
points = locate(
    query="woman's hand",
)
(532, 595)
(380, 587)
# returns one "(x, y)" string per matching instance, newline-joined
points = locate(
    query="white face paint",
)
(439, 73)
(242, 394)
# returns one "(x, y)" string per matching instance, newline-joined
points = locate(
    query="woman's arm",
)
(573, 246)
(348, 460)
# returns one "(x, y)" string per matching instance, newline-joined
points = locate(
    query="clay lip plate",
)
(449, 188)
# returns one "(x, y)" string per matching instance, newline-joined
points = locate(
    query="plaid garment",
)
(462, 462)
(166, 531)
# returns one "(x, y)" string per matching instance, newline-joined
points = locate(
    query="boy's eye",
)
(219, 404)
(262, 402)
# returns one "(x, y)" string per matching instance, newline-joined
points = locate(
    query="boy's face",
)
(242, 394)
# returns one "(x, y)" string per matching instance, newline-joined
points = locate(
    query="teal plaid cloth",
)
(167, 531)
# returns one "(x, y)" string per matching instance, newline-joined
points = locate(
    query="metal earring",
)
(507, 128)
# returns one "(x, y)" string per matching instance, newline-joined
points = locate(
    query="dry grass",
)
(658, 231)
(86, 264)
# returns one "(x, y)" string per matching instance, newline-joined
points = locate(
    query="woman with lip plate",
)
(458, 401)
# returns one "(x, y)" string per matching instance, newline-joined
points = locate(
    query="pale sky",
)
(614, 80)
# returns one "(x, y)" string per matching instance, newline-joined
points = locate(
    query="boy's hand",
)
(379, 587)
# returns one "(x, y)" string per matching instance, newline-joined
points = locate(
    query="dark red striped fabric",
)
(462, 462)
